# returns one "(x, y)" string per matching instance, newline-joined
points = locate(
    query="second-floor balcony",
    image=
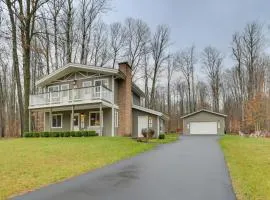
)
(71, 97)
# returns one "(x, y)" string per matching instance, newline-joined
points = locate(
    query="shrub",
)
(84, 133)
(36, 134)
(67, 134)
(92, 133)
(54, 134)
(161, 136)
(72, 133)
(45, 134)
(61, 134)
(148, 132)
(27, 134)
(78, 134)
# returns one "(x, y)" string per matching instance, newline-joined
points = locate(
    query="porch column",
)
(113, 122)
(113, 114)
(72, 118)
(50, 120)
(30, 124)
(101, 119)
(158, 128)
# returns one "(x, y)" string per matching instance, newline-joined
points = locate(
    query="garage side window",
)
(218, 124)
(187, 125)
(150, 122)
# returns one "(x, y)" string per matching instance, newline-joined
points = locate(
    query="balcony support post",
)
(101, 119)
(72, 118)
(112, 100)
(50, 120)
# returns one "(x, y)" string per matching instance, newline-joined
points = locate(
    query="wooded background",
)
(40, 36)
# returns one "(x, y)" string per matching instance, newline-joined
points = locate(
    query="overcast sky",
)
(198, 22)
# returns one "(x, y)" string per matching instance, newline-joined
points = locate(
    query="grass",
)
(171, 137)
(29, 163)
(248, 160)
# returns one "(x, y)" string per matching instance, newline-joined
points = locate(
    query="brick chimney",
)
(125, 100)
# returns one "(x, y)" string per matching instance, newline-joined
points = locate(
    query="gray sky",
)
(198, 22)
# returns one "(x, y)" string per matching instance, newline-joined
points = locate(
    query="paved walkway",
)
(191, 168)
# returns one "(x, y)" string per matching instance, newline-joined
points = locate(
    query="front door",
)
(142, 123)
(76, 122)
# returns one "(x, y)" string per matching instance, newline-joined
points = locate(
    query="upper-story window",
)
(64, 90)
(53, 93)
(103, 82)
(87, 85)
(100, 82)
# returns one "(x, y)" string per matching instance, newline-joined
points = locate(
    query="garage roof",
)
(203, 110)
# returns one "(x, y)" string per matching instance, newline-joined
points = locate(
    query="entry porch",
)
(96, 117)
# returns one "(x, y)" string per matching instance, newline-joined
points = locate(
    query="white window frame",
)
(61, 120)
(51, 98)
(87, 86)
(116, 119)
(66, 90)
(84, 83)
(102, 79)
(150, 122)
(52, 86)
(90, 118)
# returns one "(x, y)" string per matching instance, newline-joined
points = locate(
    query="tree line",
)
(39, 36)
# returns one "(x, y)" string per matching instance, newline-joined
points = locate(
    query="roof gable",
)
(203, 110)
(71, 67)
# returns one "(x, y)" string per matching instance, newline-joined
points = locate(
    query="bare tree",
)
(137, 36)
(89, 12)
(202, 90)
(12, 14)
(185, 61)
(117, 40)
(100, 43)
(68, 24)
(252, 45)
(55, 7)
(171, 68)
(159, 45)
(212, 60)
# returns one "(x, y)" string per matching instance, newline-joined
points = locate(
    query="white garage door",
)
(142, 123)
(203, 128)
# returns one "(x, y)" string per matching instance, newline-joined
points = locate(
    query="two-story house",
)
(79, 97)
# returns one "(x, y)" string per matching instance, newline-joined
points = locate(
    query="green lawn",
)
(29, 163)
(248, 160)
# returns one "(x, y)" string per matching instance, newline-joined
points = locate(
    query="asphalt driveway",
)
(191, 168)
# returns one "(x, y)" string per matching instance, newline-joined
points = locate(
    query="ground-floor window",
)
(57, 120)
(94, 118)
(116, 122)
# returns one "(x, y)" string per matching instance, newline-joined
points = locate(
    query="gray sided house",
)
(80, 97)
(204, 122)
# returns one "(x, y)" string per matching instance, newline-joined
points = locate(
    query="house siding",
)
(136, 99)
(135, 115)
(66, 122)
(204, 117)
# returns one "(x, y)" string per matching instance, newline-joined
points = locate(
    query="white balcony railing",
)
(72, 96)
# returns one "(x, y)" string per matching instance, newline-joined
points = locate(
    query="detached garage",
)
(204, 122)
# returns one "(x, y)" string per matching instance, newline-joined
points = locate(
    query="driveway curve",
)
(191, 168)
